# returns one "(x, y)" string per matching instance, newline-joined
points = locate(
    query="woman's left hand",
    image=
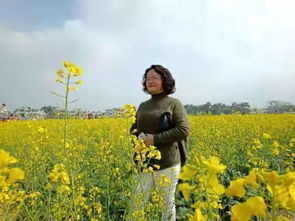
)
(149, 140)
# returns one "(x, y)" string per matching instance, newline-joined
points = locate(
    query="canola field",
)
(241, 167)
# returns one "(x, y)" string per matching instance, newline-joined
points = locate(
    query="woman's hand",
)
(149, 140)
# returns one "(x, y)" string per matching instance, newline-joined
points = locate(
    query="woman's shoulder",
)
(143, 103)
(167, 99)
(174, 100)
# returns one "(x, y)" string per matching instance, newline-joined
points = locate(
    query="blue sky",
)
(218, 50)
(36, 15)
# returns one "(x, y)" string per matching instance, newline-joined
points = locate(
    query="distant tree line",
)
(218, 108)
(50, 111)
(274, 106)
(243, 108)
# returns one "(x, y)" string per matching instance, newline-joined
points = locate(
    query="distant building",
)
(29, 113)
(3, 113)
(111, 112)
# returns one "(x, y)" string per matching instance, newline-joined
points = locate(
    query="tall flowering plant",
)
(67, 76)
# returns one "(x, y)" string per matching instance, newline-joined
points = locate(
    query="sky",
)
(217, 50)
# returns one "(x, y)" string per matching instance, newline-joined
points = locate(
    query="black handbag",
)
(166, 123)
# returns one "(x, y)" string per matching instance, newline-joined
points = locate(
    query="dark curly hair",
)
(168, 80)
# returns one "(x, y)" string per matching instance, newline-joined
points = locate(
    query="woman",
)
(159, 83)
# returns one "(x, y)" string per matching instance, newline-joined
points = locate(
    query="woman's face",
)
(154, 82)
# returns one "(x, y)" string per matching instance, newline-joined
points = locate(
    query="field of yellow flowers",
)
(240, 167)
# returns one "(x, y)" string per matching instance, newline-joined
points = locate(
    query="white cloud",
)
(218, 51)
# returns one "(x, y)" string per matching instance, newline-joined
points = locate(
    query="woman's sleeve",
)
(177, 133)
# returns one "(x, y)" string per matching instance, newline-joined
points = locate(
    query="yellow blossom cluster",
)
(143, 155)
(128, 110)
(8, 176)
(237, 187)
(10, 197)
(281, 188)
(254, 206)
(72, 71)
(204, 173)
(101, 154)
(59, 175)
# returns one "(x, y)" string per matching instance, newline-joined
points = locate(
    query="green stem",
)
(206, 192)
(65, 144)
(109, 197)
(66, 111)
(273, 204)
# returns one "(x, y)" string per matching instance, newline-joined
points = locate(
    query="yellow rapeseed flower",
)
(244, 211)
(188, 172)
(236, 188)
(283, 218)
(276, 151)
(199, 205)
(70, 88)
(257, 205)
(276, 144)
(186, 189)
(64, 190)
(257, 143)
(67, 64)
(281, 187)
(241, 212)
(77, 71)
(138, 215)
(213, 185)
(292, 190)
(2, 181)
(6, 159)
(79, 82)
(273, 178)
(214, 166)
(198, 216)
(164, 181)
(60, 73)
(58, 80)
(15, 174)
(266, 136)
(251, 179)
(59, 173)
